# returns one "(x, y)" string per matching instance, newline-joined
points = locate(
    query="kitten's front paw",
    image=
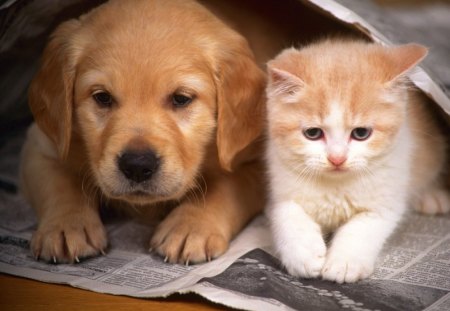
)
(346, 268)
(305, 255)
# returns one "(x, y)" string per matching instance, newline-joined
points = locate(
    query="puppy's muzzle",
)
(138, 165)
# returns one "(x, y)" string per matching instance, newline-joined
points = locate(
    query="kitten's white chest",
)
(330, 209)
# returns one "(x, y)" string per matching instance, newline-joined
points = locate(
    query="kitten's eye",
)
(361, 133)
(103, 99)
(313, 133)
(179, 100)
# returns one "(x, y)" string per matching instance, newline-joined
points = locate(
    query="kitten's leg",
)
(435, 200)
(355, 246)
(297, 239)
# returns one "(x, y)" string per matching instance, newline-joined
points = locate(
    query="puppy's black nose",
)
(139, 165)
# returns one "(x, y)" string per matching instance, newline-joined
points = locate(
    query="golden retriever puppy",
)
(147, 105)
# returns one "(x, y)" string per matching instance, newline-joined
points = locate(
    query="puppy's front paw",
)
(304, 255)
(343, 267)
(186, 238)
(69, 237)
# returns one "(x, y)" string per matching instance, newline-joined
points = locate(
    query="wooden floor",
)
(23, 294)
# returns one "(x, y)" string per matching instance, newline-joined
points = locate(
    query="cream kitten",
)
(350, 147)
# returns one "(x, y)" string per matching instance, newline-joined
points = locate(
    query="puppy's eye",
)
(313, 133)
(179, 100)
(103, 99)
(361, 133)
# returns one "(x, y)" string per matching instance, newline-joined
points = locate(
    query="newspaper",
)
(413, 269)
(127, 268)
(412, 272)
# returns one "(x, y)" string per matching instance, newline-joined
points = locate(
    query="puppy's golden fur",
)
(144, 53)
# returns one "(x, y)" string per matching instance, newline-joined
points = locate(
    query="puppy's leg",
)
(201, 228)
(69, 224)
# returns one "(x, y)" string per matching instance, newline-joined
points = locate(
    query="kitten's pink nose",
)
(337, 160)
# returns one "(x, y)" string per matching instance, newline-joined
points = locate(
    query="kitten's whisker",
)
(430, 135)
(306, 176)
(365, 176)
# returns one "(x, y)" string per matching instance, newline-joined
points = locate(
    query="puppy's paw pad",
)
(178, 240)
(67, 240)
(216, 245)
(434, 201)
(342, 269)
(168, 244)
(198, 248)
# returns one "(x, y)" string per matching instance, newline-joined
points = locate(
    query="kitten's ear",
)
(282, 82)
(280, 70)
(404, 58)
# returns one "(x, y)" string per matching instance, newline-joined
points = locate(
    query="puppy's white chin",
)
(142, 194)
(141, 198)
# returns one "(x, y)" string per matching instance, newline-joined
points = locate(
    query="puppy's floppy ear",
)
(51, 91)
(240, 95)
